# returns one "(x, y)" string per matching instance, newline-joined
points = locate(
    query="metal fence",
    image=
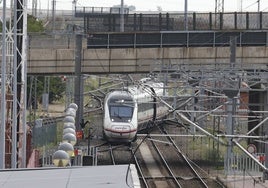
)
(44, 132)
(108, 20)
(243, 164)
(176, 39)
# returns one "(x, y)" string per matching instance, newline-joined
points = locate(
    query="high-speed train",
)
(126, 109)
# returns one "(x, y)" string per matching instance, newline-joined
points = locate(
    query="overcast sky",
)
(151, 5)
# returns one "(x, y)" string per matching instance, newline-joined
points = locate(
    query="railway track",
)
(165, 165)
(109, 154)
(159, 162)
(184, 172)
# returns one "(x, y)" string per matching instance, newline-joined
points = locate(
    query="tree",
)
(159, 8)
(34, 25)
(56, 89)
(36, 87)
(131, 8)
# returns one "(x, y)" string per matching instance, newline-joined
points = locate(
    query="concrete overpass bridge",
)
(112, 53)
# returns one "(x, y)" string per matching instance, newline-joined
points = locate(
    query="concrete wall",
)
(139, 60)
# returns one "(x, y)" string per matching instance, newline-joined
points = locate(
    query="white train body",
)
(124, 110)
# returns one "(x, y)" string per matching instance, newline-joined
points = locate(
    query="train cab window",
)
(121, 111)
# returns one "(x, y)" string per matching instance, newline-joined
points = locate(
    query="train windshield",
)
(121, 109)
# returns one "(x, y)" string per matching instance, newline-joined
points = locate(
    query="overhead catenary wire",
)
(183, 117)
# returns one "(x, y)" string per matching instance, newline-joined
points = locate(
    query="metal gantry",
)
(34, 8)
(13, 85)
(219, 6)
(214, 92)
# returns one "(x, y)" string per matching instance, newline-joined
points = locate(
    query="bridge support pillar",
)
(79, 82)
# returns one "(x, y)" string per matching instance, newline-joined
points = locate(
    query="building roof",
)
(89, 176)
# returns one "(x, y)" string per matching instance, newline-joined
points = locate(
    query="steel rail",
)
(184, 157)
(111, 154)
(139, 169)
(166, 164)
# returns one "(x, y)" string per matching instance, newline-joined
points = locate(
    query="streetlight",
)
(122, 16)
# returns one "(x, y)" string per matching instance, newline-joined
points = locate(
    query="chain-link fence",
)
(45, 132)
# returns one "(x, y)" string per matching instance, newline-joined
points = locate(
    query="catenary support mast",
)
(13, 85)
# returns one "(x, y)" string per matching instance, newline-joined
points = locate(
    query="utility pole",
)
(34, 8)
(74, 2)
(219, 5)
(20, 52)
(186, 15)
(3, 91)
(240, 5)
(53, 14)
(231, 90)
(232, 51)
(219, 9)
(45, 95)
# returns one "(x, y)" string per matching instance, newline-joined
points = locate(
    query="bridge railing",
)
(100, 21)
(81, 11)
(176, 39)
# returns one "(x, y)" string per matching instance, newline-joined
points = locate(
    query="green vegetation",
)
(57, 89)
(202, 149)
(33, 24)
(37, 86)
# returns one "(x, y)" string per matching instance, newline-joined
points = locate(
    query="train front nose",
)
(121, 131)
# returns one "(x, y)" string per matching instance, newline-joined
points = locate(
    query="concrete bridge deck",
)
(56, 56)
(109, 61)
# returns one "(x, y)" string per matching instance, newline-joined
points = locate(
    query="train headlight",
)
(129, 120)
(121, 101)
(112, 119)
